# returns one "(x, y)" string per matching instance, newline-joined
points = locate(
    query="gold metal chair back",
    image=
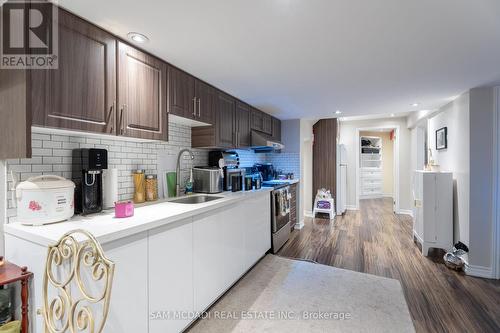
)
(75, 268)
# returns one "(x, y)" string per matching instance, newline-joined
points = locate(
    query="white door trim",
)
(495, 255)
(396, 161)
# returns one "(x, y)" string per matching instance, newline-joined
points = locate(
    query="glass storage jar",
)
(151, 188)
(139, 186)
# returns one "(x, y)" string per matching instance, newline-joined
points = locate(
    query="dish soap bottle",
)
(189, 184)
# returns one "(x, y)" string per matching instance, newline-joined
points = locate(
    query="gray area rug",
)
(284, 295)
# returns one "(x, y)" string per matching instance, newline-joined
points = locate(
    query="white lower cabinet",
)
(218, 254)
(257, 228)
(128, 311)
(176, 269)
(171, 277)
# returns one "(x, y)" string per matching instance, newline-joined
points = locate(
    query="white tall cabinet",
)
(433, 210)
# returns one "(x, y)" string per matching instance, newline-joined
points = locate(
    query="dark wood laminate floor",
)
(376, 241)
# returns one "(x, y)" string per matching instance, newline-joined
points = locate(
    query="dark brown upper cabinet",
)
(206, 102)
(267, 124)
(81, 93)
(276, 129)
(181, 89)
(242, 125)
(225, 135)
(222, 134)
(142, 94)
(257, 118)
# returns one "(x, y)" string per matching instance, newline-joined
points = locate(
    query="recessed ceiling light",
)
(338, 112)
(415, 104)
(137, 37)
(393, 115)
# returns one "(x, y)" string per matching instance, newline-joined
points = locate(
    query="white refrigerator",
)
(341, 199)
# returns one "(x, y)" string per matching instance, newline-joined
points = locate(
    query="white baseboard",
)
(299, 225)
(387, 195)
(480, 271)
(351, 207)
(308, 213)
(406, 212)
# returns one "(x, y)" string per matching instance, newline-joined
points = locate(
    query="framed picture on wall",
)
(442, 138)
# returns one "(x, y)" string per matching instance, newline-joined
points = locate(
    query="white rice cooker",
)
(45, 199)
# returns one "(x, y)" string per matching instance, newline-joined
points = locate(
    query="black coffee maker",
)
(87, 175)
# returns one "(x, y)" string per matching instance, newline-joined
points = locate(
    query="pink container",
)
(124, 209)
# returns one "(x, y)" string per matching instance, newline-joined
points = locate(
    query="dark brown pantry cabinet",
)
(242, 125)
(142, 95)
(81, 93)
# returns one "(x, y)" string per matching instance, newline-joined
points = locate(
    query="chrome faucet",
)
(178, 170)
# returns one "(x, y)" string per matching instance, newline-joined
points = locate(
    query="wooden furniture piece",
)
(276, 129)
(81, 93)
(370, 175)
(10, 273)
(222, 134)
(181, 98)
(15, 128)
(142, 94)
(77, 283)
(242, 125)
(325, 156)
(433, 212)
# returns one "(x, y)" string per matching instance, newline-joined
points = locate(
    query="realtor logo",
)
(28, 39)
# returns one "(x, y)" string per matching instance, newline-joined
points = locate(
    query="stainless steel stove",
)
(280, 213)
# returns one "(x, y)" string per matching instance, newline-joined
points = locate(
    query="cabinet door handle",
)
(111, 110)
(199, 107)
(194, 107)
(120, 124)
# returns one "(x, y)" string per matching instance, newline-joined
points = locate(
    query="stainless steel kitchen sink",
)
(195, 199)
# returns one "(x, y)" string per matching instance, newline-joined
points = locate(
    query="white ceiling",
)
(308, 58)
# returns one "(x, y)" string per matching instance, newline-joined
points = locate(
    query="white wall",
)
(348, 137)
(482, 133)
(456, 117)
(306, 161)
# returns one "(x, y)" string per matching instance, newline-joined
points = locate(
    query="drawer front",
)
(370, 182)
(371, 174)
(372, 186)
(371, 191)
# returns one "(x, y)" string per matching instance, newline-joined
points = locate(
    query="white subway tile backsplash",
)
(52, 155)
(52, 160)
(42, 167)
(52, 144)
(62, 138)
(41, 152)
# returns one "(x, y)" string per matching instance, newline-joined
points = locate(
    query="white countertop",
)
(283, 181)
(106, 228)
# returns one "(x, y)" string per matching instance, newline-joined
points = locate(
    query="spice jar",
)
(151, 188)
(140, 186)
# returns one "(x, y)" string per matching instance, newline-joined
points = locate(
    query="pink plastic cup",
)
(124, 209)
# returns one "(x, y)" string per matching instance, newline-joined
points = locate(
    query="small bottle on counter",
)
(151, 188)
(139, 186)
